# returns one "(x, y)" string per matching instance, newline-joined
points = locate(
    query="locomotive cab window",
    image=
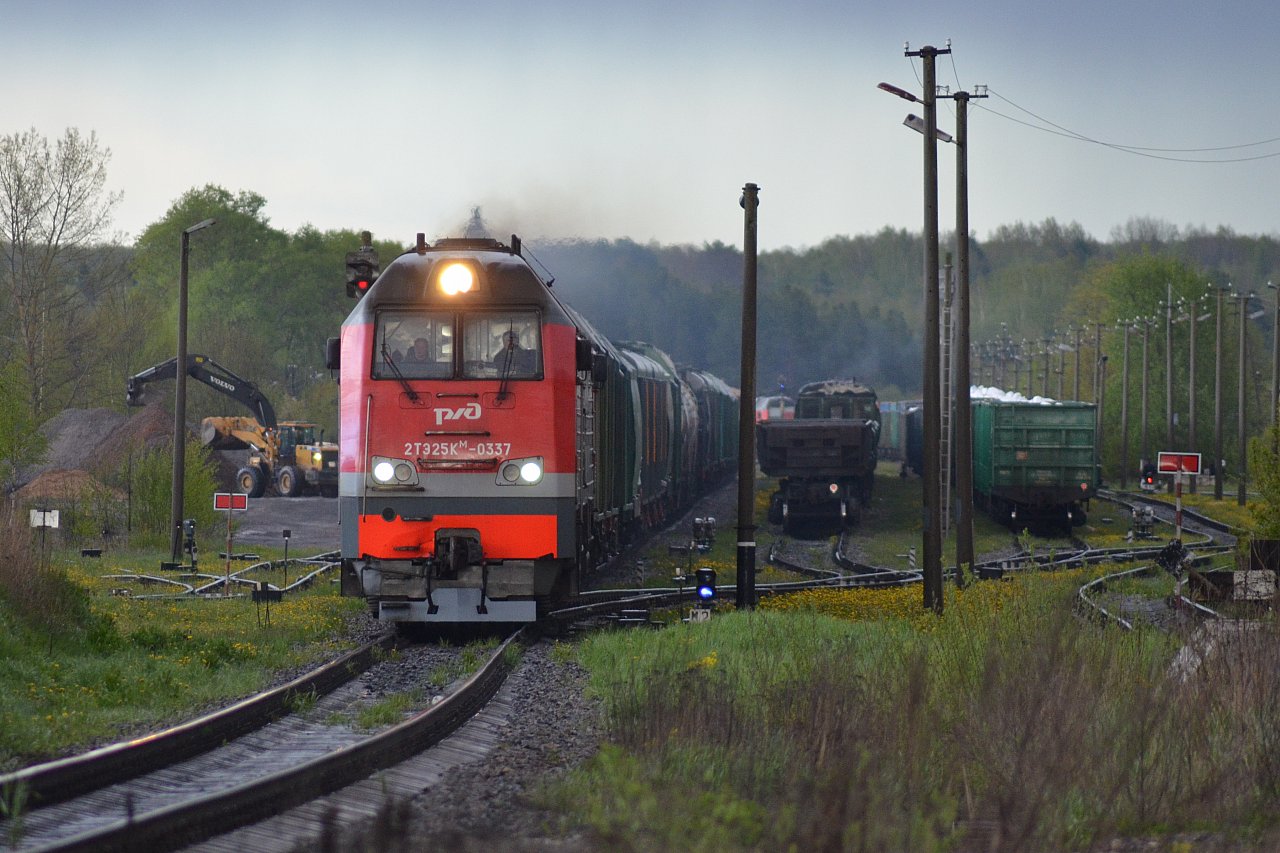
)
(414, 345)
(502, 345)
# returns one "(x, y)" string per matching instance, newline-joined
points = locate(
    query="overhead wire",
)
(1047, 126)
(1141, 151)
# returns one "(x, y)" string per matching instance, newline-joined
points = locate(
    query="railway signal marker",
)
(1168, 462)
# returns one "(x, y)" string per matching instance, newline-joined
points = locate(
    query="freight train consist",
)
(825, 457)
(1035, 464)
(495, 447)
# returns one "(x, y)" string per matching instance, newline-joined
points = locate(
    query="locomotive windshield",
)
(492, 345)
(415, 345)
(501, 344)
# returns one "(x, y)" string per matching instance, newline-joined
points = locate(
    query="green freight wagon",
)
(1035, 465)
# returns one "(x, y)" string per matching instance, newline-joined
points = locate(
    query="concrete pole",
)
(746, 582)
(1241, 414)
(1191, 392)
(964, 414)
(1168, 368)
(1124, 410)
(932, 420)
(1075, 394)
(180, 402)
(1146, 375)
(1275, 356)
(1217, 404)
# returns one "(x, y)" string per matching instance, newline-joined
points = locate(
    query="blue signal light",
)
(706, 584)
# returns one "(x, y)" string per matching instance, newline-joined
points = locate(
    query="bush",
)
(40, 595)
(151, 488)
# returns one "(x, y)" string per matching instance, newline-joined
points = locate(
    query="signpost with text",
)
(1177, 464)
(229, 501)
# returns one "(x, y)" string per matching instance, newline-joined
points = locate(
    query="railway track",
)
(306, 766)
(286, 763)
(282, 750)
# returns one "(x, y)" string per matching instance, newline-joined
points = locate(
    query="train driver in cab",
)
(513, 359)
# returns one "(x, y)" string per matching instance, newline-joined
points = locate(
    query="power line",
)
(1141, 151)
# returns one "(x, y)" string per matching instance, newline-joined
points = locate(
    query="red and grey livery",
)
(494, 447)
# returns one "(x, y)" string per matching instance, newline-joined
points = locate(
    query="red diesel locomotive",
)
(480, 423)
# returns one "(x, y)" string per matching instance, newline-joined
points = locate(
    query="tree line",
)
(83, 310)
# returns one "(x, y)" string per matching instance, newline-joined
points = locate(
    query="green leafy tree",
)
(149, 482)
(21, 443)
(54, 212)
(1264, 465)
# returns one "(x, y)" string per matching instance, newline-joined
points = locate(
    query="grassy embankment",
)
(81, 666)
(854, 720)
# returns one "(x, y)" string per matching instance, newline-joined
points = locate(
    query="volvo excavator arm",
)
(206, 370)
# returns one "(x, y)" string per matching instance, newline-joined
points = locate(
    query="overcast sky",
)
(569, 118)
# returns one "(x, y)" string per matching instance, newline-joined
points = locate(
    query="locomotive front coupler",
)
(484, 588)
(429, 568)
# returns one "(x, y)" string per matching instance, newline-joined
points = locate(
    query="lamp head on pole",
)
(901, 93)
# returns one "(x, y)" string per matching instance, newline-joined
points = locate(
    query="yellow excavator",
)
(290, 456)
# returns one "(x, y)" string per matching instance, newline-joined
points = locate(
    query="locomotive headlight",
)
(393, 472)
(317, 457)
(457, 278)
(833, 488)
(520, 472)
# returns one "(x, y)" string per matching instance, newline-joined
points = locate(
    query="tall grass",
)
(80, 666)
(775, 730)
(35, 592)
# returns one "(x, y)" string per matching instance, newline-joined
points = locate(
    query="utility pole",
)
(932, 420)
(1124, 410)
(964, 413)
(932, 477)
(1241, 414)
(1048, 352)
(1217, 401)
(1062, 367)
(1191, 390)
(1168, 366)
(745, 591)
(1146, 373)
(1275, 356)
(1075, 394)
(180, 401)
(1099, 388)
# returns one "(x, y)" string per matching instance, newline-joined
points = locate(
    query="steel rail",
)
(201, 818)
(67, 778)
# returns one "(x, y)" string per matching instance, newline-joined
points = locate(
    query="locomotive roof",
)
(838, 386)
(508, 279)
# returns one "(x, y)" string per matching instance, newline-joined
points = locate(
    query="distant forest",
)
(264, 300)
(853, 306)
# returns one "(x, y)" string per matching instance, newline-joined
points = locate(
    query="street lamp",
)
(932, 571)
(180, 400)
